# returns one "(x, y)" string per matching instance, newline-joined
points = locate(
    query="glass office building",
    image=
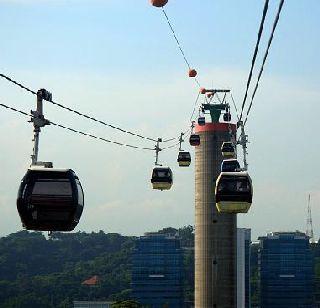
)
(157, 267)
(243, 267)
(286, 270)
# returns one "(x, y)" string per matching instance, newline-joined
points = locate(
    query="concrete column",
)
(215, 234)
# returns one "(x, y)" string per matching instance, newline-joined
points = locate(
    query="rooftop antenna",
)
(309, 230)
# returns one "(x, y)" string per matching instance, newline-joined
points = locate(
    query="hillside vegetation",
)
(40, 272)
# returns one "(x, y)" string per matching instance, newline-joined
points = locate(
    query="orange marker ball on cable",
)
(158, 3)
(203, 90)
(192, 73)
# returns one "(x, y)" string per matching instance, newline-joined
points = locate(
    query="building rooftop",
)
(280, 234)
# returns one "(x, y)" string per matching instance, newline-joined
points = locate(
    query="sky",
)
(118, 61)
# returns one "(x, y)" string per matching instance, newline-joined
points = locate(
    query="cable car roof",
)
(230, 160)
(235, 173)
(39, 168)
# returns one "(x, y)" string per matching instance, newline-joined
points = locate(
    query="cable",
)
(14, 109)
(235, 106)
(186, 134)
(265, 10)
(85, 115)
(103, 122)
(79, 113)
(84, 133)
(275, 23)
(18, 84)
(195, 106)
(178, 43)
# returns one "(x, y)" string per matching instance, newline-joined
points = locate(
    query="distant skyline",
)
(118, 61)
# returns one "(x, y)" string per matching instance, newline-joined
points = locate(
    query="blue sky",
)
(118, 60)
(112, 36)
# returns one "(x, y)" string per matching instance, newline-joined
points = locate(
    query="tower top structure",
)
(215, 109)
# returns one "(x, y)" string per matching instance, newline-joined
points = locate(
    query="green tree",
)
(126, 304)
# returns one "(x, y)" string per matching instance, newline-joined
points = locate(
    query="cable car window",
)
(80, 193)
(230, 166)
(57, 187)
(53, 216)
(234, 185)
(162, 174)
(242, 186)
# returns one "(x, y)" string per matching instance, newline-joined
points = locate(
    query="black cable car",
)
(233, 192)
(227, 117)
(227, 149)
(184, 159)
(230, 165)
(50, 199)
(201, 121)
(162, 178)
(194, 140)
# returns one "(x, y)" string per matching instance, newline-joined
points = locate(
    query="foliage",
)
(40, 272)
(36, 271)
(126, 304)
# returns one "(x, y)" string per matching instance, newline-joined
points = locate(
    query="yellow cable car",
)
(233, 192)
(162, 178)
(184, 159)
(227, 149)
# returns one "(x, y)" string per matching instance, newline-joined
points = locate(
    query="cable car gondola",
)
(162, 178)
(230, 165)
(194, 140)
(227, 117)
(233, 192)
(184, 159)
(227, 149)
(50, 199)
(202, 121)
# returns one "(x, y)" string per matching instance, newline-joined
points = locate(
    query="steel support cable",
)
(195, 106)
(85, 115)
(18, 84)
(81, 132)
(79, 113)
(235, 106)
(178, 44)
(275, 23)
(174, 138)
(186, 134)
(265, 10)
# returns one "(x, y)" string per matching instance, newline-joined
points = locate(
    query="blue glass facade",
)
(286, 271)
(247, 252)
(157, 267)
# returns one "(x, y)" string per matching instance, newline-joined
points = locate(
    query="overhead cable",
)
(234, 105)
(78, 112)
(84, 133)
(264, 13)
(195, 106)
(178, 43)
(178, 143)
(265, 57)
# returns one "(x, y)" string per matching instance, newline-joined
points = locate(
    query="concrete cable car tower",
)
(215, 233)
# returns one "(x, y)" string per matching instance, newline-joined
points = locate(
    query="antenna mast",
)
(309, 230)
